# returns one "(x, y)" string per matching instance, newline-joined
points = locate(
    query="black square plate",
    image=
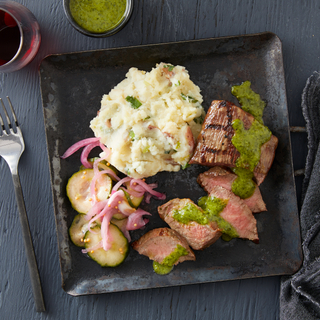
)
(72, 86)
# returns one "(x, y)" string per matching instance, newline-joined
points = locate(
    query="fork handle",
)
(31, 258)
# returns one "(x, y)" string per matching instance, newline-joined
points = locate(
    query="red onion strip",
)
(153, 185)
(109, 171)
(126, 233)
(96, 176)
(92, 221)
(157, 194)
(136, 221)
(120, 183)
(148, 198)
(134, 193)
(93, 248)
(105, 149)
(106, 237)
(85, 153)
(125, 208)
(75, 147)
(96, 209)
(115, 198)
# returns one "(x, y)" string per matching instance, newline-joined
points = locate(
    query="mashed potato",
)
(150, 120)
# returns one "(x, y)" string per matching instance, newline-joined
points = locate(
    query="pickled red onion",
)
(117, 202)
(148, 198)
(93, 248)
(75, 147)
(85, 153)
(110, 172)
(106, 236)
(120, 183)
(96, 209)
(105, 149)
(96, 176)
(147, 188)
(115, 197)
(136, 221)
(134, 193)
(125, 208)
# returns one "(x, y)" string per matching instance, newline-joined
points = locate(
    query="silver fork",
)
(11, 148)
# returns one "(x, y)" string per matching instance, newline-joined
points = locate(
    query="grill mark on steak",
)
(210, 150)
(214, 126)
(223, 103)
(214, 141)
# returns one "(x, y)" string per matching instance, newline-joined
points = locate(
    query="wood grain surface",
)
(296, 23)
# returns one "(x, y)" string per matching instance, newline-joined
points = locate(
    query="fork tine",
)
(13, 113)
(1, 120)
(6, 114)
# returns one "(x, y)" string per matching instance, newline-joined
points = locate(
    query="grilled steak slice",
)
(218, 176)
(198, 236)
(159, 243)
(214, 146)
(267, 156)
(237, 214)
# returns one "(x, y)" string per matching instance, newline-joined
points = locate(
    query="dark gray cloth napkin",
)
(300, 293)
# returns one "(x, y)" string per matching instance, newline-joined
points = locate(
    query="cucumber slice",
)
(103, 165)
(91, 160)
(133, 201)
(78, 229)
(119, 216)
(78, 189)
(120, 223)
(115, 255)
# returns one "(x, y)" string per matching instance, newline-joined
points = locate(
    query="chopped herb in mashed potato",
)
(150, 120)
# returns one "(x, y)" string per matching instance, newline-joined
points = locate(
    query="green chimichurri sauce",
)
(98, 16)
(248, 142)
(190, 212)
(249, 100)
(160, 268)
(167, 264)
(243, 186)
(211, 209)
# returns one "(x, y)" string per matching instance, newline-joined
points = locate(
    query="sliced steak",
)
(198, 236)
(237, 213)
(268, 151)
(218, 176)
(160, 243)
(214, 146)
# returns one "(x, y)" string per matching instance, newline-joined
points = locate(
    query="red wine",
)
(9, 37)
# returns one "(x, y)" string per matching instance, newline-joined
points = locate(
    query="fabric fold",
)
(300, 293)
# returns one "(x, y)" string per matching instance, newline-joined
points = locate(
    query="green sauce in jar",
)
(98, 16)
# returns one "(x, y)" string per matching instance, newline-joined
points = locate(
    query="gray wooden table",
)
(296, 23)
